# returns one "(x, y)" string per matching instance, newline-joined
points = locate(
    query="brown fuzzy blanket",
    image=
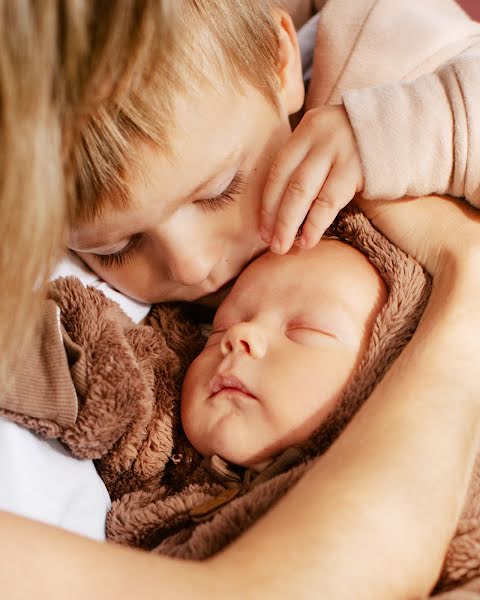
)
(167, 498)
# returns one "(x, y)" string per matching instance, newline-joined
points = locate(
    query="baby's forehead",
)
(329, 257)
(329, 272)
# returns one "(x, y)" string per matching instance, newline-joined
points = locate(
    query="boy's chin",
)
(214, 300)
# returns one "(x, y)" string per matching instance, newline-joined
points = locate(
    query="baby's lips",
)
(220, 382)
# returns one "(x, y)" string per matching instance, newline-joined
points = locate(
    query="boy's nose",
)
(188, 274)
(188, 253)
(190, 268)
(244, 338)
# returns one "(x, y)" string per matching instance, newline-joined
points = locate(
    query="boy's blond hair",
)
(58, 61)
(232, 42)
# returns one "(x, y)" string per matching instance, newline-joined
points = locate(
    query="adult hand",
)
(431, 228)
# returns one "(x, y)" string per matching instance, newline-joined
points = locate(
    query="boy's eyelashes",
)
(222, 200)
(225, 198)
(120, 258)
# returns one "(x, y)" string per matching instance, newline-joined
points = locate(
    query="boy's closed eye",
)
(120, 257)
(221, 201)
(225, 198)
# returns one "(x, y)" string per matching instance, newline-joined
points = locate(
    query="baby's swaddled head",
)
(284, 345)
(298, 346)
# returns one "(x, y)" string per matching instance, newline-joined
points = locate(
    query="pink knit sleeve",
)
(421, 137)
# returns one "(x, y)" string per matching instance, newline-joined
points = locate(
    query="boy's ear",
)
(289, 64)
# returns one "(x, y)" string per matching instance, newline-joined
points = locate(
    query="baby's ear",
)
(289, 64)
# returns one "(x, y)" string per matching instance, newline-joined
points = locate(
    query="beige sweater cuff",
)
(43, 388)
(420, 137)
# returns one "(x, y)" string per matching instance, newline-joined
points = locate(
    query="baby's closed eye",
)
(309, 335)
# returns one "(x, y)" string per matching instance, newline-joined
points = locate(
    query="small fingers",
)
(297, 200)
(277, 180)
(336, 193)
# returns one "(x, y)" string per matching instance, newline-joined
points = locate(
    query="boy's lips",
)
(228, 382)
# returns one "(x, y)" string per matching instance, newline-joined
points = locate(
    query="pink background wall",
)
(471, 6)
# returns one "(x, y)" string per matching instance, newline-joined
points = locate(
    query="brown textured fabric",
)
(42, 386)
(166, 497)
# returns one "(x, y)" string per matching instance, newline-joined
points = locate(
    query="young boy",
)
(170, 182)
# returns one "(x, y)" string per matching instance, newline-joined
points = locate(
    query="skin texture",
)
(291, 332)
(189, 244)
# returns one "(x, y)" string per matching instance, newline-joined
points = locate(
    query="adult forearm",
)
(377, 511)
(39, 561)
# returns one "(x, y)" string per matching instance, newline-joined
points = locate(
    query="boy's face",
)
(195, 223)
(284, 344)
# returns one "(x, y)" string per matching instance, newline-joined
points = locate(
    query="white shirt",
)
(39, 479)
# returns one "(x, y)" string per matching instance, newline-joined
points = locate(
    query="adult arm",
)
(361, 519)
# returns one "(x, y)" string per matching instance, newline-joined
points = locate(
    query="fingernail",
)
(265, 234)
(275, 245)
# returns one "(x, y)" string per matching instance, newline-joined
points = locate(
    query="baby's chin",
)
(242, 459)
(228, 438)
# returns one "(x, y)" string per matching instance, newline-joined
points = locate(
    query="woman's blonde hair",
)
(59, 61)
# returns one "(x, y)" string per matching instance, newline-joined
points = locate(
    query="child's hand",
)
(316, 174)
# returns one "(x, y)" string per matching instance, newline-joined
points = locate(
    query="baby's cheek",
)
(189, 397)
(195, 389)
(192, 420)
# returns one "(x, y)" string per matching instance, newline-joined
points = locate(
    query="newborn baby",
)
(285, 343)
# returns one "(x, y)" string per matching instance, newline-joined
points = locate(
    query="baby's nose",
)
(243, 338)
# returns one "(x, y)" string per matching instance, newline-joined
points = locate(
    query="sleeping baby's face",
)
(283, 346)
